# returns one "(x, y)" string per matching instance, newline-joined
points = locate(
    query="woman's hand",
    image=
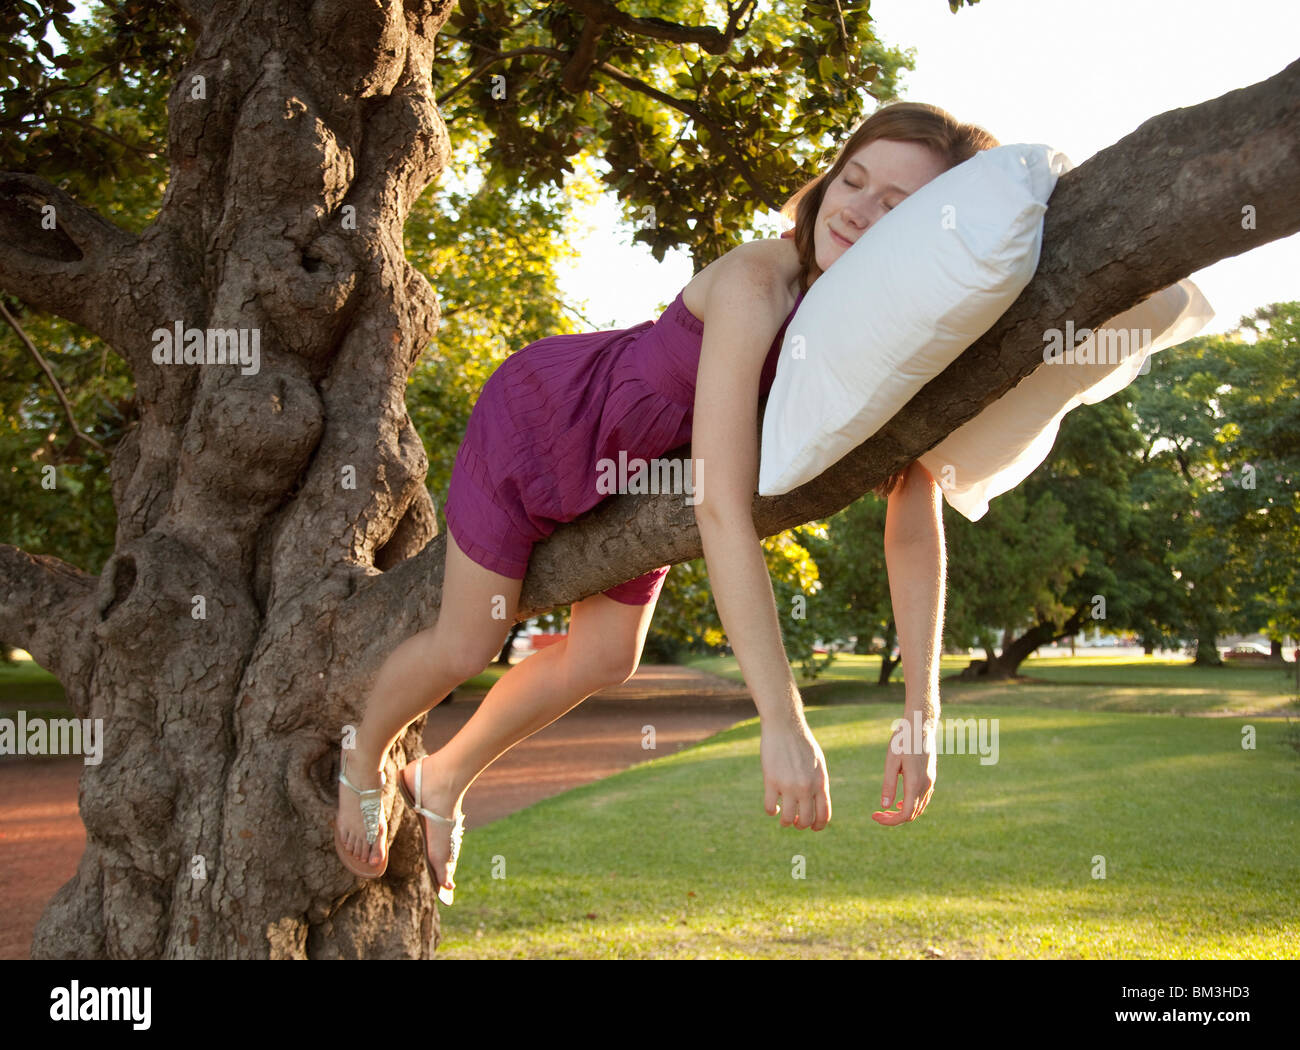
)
(918, 767)
(794, 771)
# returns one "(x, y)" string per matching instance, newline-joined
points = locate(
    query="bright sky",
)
(1075, 76)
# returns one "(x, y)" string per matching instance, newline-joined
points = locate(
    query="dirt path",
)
(42, 838)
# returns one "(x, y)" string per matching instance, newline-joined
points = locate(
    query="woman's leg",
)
(475, 615)
(603, 648)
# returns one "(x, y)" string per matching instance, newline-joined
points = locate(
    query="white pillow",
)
(929, 278)
(999, 448)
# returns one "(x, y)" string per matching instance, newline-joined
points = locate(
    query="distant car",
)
(1248, 652)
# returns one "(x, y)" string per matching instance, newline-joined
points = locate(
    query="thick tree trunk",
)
(887, 666)
(504, 657)
(1016, 651)
(250, 506)
(887, 663)
(274, 529)
(1007, 665)
(1207, 650)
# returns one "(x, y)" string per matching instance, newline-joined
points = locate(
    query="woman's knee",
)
(605, 639)
(462, 653)
(602, 665)
(477, 611)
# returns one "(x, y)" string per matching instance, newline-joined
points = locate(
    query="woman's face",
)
(873, 180)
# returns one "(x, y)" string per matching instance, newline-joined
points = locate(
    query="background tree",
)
(1180, 491)
(1261, 449)
(855, 599)
(1219, 481)
(1013, 568)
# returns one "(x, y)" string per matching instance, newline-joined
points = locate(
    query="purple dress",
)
(551, 411)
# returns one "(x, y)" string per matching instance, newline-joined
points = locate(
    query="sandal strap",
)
(372, 804)
(457, 823)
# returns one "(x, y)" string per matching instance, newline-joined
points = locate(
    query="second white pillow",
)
(999, 448)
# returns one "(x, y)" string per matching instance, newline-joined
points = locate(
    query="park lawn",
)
(1092, 682)
(1099, 681)
(26, 686)
(676, 859)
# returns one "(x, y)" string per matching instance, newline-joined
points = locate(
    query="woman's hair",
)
(902, 122)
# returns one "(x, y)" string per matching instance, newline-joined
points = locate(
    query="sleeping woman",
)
(544, 422)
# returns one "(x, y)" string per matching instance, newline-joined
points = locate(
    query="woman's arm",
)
(917, 562)
(747, 302)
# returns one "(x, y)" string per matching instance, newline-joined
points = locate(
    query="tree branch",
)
(67, 261)
(16, 122)
(111, 136)
(42, 602)
(575, 82)
(707, 38)
(194, 12)
(493, 58)
(1160, 204)
(704, 120)
(49, 374)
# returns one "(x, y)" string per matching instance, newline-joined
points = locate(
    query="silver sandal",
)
(372, 807)
(457, 832)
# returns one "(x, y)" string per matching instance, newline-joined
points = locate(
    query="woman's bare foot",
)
(439, 795)
(351, 825)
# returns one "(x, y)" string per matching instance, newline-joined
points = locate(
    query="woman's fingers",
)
(810, 809)
(787, 803)
(802, 811)
(822, 814)
(802, 808)
(888, 789)
(893, 770)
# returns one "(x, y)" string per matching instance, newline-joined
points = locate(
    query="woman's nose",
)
(863, 214)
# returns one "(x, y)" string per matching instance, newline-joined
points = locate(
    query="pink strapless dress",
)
(552, 411)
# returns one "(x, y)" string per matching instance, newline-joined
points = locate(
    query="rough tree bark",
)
(299, 139)
(222, 731)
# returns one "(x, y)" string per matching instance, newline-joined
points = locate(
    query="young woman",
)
(529, 461)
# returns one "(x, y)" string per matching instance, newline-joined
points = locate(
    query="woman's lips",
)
(840, 240)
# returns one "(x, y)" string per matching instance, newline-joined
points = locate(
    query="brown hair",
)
(900, 121)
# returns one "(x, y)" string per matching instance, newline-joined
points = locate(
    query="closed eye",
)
(858, 186)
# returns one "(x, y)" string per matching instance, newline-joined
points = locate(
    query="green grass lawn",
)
(27, 686)
(676, 859)
(1095, 682)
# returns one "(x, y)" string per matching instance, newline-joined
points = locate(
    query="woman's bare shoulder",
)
(772, 255)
